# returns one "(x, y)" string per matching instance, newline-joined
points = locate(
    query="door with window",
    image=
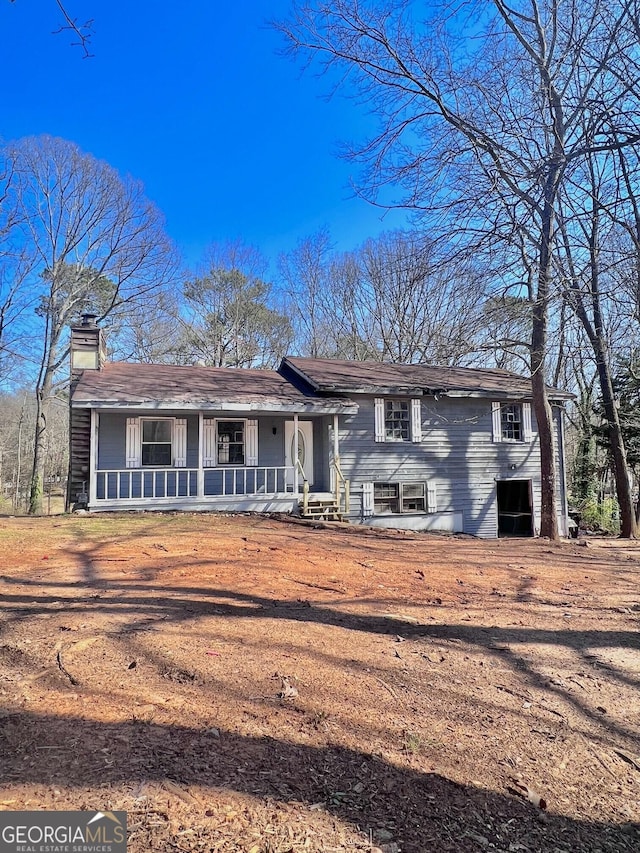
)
(305, 449)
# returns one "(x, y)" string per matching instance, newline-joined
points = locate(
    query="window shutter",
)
(527, 432)
(416, 421)
(180, 443)
(132, 443)
(252, 443)
(379, 418)
(432, 498)
(367, 500)
(497, 422)
(208, 442)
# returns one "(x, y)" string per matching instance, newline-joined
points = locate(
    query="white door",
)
(305, 448)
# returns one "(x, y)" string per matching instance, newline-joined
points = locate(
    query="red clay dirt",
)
(253, 684)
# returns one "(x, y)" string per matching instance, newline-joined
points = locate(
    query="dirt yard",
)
(252, 684)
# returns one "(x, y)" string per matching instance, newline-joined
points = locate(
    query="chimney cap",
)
(89, 319)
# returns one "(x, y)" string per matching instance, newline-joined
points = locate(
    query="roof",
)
(163, 386)
(325, 375)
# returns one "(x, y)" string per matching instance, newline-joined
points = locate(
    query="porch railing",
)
(342, 488)
(166, 483)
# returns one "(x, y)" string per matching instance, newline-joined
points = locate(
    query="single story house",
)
(413, 446)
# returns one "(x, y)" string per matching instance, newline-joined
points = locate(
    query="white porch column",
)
(296, 451)
(200, 489)
(93, 459)
(336, 455)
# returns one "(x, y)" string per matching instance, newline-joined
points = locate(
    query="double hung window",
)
(511, 422)
(399, 497)
(230, 442)
(157, 442)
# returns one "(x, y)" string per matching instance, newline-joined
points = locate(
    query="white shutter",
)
(208, 442)
(367, 500)
(133, 445)
(432, 499)
(251, 439)
(180, 443)
(416, 421)
(497, 421)
(379, 418)
(527, 432)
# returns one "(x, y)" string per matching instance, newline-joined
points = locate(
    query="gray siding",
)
(456, 452)
(112, 441)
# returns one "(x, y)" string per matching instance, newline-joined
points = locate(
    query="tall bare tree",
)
(483, 108)
(94, 243)
(231, 316)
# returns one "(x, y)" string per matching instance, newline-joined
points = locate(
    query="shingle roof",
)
(352, 377)
(124, 384)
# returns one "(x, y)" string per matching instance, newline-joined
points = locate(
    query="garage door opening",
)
(515, 515)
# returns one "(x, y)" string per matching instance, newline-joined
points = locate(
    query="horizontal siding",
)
(456, 452)
(112, 432)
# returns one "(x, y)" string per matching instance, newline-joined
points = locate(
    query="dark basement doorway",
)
(515, 516)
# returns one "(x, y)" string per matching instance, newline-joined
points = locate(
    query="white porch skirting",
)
(268, 503)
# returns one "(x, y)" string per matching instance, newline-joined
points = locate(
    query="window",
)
(396, 420)
(230, 442)
(512, 422)
(386, 497)
(156, 442)
(399, 497)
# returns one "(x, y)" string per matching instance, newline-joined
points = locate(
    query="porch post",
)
(200, 489)
(333, 474)
(296, 485)
(93, 458)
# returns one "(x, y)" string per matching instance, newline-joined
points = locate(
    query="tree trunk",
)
(628, 521)
(37, 471)
(541, 406)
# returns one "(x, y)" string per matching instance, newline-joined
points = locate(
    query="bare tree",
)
(305, 273)
(590, 263)
(231, 316)
(483, 109)
(95, 243)
(82, 31)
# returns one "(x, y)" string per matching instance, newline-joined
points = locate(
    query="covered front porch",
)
(224, 460)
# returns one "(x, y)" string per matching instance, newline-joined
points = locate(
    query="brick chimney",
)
(88, 351)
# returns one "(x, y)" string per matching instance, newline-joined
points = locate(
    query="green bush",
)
(601, 516)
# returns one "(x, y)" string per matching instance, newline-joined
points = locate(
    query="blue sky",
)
(229, 139)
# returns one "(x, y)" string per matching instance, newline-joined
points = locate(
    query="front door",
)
(305, 448)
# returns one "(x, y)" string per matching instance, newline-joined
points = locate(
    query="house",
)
(413, 446)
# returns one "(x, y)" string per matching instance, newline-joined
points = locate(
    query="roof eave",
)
(267, 407)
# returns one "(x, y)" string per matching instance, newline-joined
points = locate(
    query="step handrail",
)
(305, 485)
(346, 486)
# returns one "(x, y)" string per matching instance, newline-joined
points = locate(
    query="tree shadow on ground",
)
(141, 605)
(421, 810)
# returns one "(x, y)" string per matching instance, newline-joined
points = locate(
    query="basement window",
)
(399, 498)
